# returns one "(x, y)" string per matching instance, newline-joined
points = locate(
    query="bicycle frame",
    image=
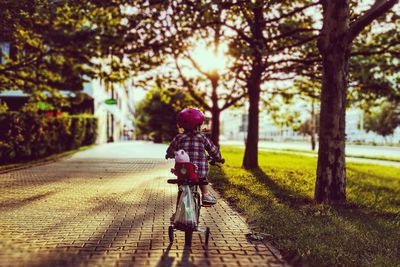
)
(198, 204)
(196, 198)
(197, 201)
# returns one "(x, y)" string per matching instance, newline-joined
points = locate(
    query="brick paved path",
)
(90, 210)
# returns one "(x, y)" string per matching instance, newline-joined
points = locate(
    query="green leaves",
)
(55, 42)
(383, 120)
(26, 136)
(156, 114)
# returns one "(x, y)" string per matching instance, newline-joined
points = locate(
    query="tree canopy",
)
(355, 59)
(156, 113)
(383, 120)
(53, 43)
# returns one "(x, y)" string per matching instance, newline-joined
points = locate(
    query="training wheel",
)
(171, 234)
(207, 235)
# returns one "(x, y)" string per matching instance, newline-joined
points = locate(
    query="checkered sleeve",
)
(173, 147)
(212, 149)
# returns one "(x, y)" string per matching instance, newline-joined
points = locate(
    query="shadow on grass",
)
(315, 235)
(385, 195)
(294, 199)
(384, 186)
(284, 195)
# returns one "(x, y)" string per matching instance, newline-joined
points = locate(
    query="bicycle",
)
(189, 229)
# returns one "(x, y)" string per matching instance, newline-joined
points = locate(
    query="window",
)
(5, 49)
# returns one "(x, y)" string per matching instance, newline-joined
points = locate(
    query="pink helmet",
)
(190, 118)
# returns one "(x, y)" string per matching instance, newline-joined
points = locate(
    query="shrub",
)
(27, 136)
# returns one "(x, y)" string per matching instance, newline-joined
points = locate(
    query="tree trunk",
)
(215, 110)
(250, 160)
(312, 130)
(334, 47)
(215, 126)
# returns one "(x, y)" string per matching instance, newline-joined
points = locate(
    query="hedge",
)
(27, 136)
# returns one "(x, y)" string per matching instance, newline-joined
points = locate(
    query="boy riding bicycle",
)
(195, 144)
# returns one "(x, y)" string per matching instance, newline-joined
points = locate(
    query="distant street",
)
(350, 150)
(125, 150)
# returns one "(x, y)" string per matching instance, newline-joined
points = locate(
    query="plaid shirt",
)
(195, 144)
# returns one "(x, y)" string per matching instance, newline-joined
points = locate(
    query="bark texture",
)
(215, 126)
(250, 160)
(313, 126)
(334, 47)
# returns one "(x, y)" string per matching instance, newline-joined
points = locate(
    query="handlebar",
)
(210, 160)
(214, 162)
(183, 182)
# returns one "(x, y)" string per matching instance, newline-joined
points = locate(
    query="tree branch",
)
(232, 102)
(288, 34)
(377, 52)
(294, 11)
(242, 35)
(279, 49)
(294, 60)
(378, 8)
(190, 87)
(13, 67)
(281, 78)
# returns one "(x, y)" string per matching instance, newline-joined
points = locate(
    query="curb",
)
(243, 217)
(40, 162)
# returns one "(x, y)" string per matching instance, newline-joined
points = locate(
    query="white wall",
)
(122, 112)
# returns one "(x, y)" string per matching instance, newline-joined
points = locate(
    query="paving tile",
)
(112, 212)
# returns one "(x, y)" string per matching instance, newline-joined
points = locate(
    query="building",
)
(4, 48)
(112, 104)
(234, 123)
(114, 108)
(355, 131)
(234, 127)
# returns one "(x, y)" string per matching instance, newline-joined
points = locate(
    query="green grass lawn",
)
(395, 159)
(278, 200)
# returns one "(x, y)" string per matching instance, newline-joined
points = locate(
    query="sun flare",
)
(208, 60)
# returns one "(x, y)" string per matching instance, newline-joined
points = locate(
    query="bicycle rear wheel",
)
(188, 237)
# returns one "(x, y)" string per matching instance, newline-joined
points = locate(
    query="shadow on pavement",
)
(119, 236)
(18, 203)
(185, 260)
(166, 260)
(110, 240)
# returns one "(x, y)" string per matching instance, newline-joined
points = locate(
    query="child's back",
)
(195, 144)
